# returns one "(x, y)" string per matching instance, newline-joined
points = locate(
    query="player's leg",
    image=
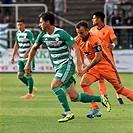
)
(124, 91)
(30, 83)
(103, 90)
(102, 86)
(62, 77)
(85, 83)
(113, 77)
(21, 73)
(119, 98)
(86, 98)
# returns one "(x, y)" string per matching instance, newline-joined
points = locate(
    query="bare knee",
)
(85, 82)
(118, 87)
(56, 83)
(72, 92)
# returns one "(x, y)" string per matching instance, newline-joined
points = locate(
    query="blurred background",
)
(119, 15)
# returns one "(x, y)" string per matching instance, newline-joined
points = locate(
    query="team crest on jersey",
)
(57, 39)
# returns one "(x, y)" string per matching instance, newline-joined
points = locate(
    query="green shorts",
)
(22, 63)
(65, 74)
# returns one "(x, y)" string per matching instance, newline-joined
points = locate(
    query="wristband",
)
(113, 45)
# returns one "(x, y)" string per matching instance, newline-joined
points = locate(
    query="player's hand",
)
(84, 71)
(25, 56)
(27, 69)
(110, 46)
(78, 71)
(12, 60)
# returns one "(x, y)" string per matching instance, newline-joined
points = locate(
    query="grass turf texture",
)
(40, 114)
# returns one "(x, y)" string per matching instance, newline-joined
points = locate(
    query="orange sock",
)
(102, 87)
(126, 92)
(86, 88)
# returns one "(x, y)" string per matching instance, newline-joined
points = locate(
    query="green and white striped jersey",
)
(58, 44)
(25, 40)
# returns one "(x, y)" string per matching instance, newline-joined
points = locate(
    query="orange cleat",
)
(27, 96)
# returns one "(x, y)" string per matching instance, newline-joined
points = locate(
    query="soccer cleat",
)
(27, 96)
(94, 113)
(34, 91)
(66, 117)
(106, 103)
(120, 100)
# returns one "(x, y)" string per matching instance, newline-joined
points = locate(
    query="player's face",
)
(21, 26)
(82, 33)
(94, 20)
(43, 24)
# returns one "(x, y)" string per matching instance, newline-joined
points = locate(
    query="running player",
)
(100, 65)
(58, 43)
(109, 41)
(23, 42)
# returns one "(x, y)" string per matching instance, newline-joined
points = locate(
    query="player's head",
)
(82, 30)
(21, 24)
(98, 17)
(46, 18)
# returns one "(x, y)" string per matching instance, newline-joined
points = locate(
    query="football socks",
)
(60, 94)
(30, 84)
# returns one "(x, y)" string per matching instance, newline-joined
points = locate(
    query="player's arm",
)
(31, 56)
(113, 44)
(96, 59)
(113, 39)
(77, 58)
(15, 49)
(32, 41)
(65, 7)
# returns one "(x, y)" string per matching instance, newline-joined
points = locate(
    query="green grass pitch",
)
(40, 114)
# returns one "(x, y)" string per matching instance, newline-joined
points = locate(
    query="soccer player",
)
(100, 64)
(59, 43)
(23, 41)
(108, 38)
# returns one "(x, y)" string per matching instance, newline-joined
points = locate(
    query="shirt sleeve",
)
(31, 37)
(111, 33)
(69, 40)
(39, 39)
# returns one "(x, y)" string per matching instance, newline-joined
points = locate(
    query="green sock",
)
(86, 98)
(60, 94)
(30, 84)
(23, 79)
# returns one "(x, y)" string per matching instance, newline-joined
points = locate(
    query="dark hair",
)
(21, 20)
(47, 16)
(100, 15)
(82, 23)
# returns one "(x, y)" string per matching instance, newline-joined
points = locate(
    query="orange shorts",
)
(107, 72)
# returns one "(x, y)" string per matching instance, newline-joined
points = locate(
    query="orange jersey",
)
(105, 68)
(87, 48)
(106, 34)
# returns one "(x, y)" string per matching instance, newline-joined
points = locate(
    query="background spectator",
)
(60, 7)
(7, 11)
(111, 5)
(116, 20)
(125, 6)
(129, 22)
